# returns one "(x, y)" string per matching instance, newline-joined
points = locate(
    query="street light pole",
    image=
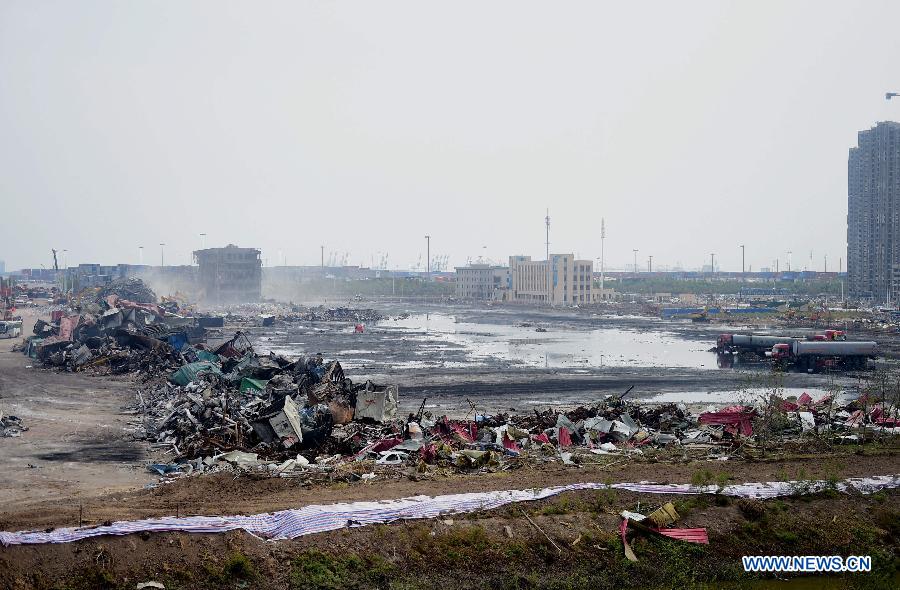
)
(141, 255)
(162, 254)
(789, 260)
(602, 239)
(428, 258)
(712, 263)
(743, 260)
(650, 265)
(635, 261)
(203, 241)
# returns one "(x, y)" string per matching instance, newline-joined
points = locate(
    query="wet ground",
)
(509, 358)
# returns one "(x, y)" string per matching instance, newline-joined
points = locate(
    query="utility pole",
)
(323, 255)
(789, 260)
(826, 263)
(635, 260)
(712, 263)
(141, 255)
(650, 264)
(602, 239)
(428, 257)
(162, 254)
(840, 271)
(547, 223)
(549, 264)
(743, 260)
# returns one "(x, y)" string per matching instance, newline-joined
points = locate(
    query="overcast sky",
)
(692, 127)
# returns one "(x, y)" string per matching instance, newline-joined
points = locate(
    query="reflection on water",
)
(551, 347)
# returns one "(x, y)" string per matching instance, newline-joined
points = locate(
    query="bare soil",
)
(77, 445)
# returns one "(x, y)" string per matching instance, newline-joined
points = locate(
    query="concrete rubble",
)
(11, 426)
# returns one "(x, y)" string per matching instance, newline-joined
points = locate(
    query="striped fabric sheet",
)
(319, 518)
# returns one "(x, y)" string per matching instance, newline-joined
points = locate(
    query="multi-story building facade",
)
(482, 281)
(230, 274)
(873, 214)
(562, 280)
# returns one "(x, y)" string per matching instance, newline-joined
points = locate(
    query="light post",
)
(203, 241)
(635, 260)
(650, 264)
(712, 263)
(141, 255)
(602, 239)
(743, 260)
(789, 260)
(162, 254)
(428, 258)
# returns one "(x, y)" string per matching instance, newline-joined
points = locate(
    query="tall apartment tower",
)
(873, 214)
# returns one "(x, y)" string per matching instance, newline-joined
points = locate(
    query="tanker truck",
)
(813, 356)
(738, 343)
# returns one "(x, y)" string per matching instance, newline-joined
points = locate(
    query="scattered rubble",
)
(11, 426)
(208, 406)
(340, 314)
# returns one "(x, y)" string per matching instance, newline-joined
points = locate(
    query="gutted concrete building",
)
(873, 214)
(481, 281)
(229, 274)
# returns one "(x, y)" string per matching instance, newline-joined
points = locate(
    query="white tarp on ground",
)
(289, 524)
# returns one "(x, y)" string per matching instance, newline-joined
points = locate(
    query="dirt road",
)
(77, 444)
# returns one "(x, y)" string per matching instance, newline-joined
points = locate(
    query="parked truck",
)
(762, 344)
(813, 356)
(10, 329)
(738, 343)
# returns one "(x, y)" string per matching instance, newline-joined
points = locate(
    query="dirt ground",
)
(77, 445)
(570, 541)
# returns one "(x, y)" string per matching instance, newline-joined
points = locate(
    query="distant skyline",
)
(691, 127)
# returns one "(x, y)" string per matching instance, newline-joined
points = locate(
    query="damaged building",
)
(230, 274)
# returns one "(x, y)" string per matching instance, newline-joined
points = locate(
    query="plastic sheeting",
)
(290, 524)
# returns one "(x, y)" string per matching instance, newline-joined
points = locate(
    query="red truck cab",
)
(781, 351)
(835, 335)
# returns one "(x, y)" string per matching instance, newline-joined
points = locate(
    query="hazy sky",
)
(692, 127)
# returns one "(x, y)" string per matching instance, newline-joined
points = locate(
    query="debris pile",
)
(131, 289)
(11, 426)
(340, 314)
(109, 332)
(230, 398)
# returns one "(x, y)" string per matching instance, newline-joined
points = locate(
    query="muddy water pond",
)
(439, 340)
